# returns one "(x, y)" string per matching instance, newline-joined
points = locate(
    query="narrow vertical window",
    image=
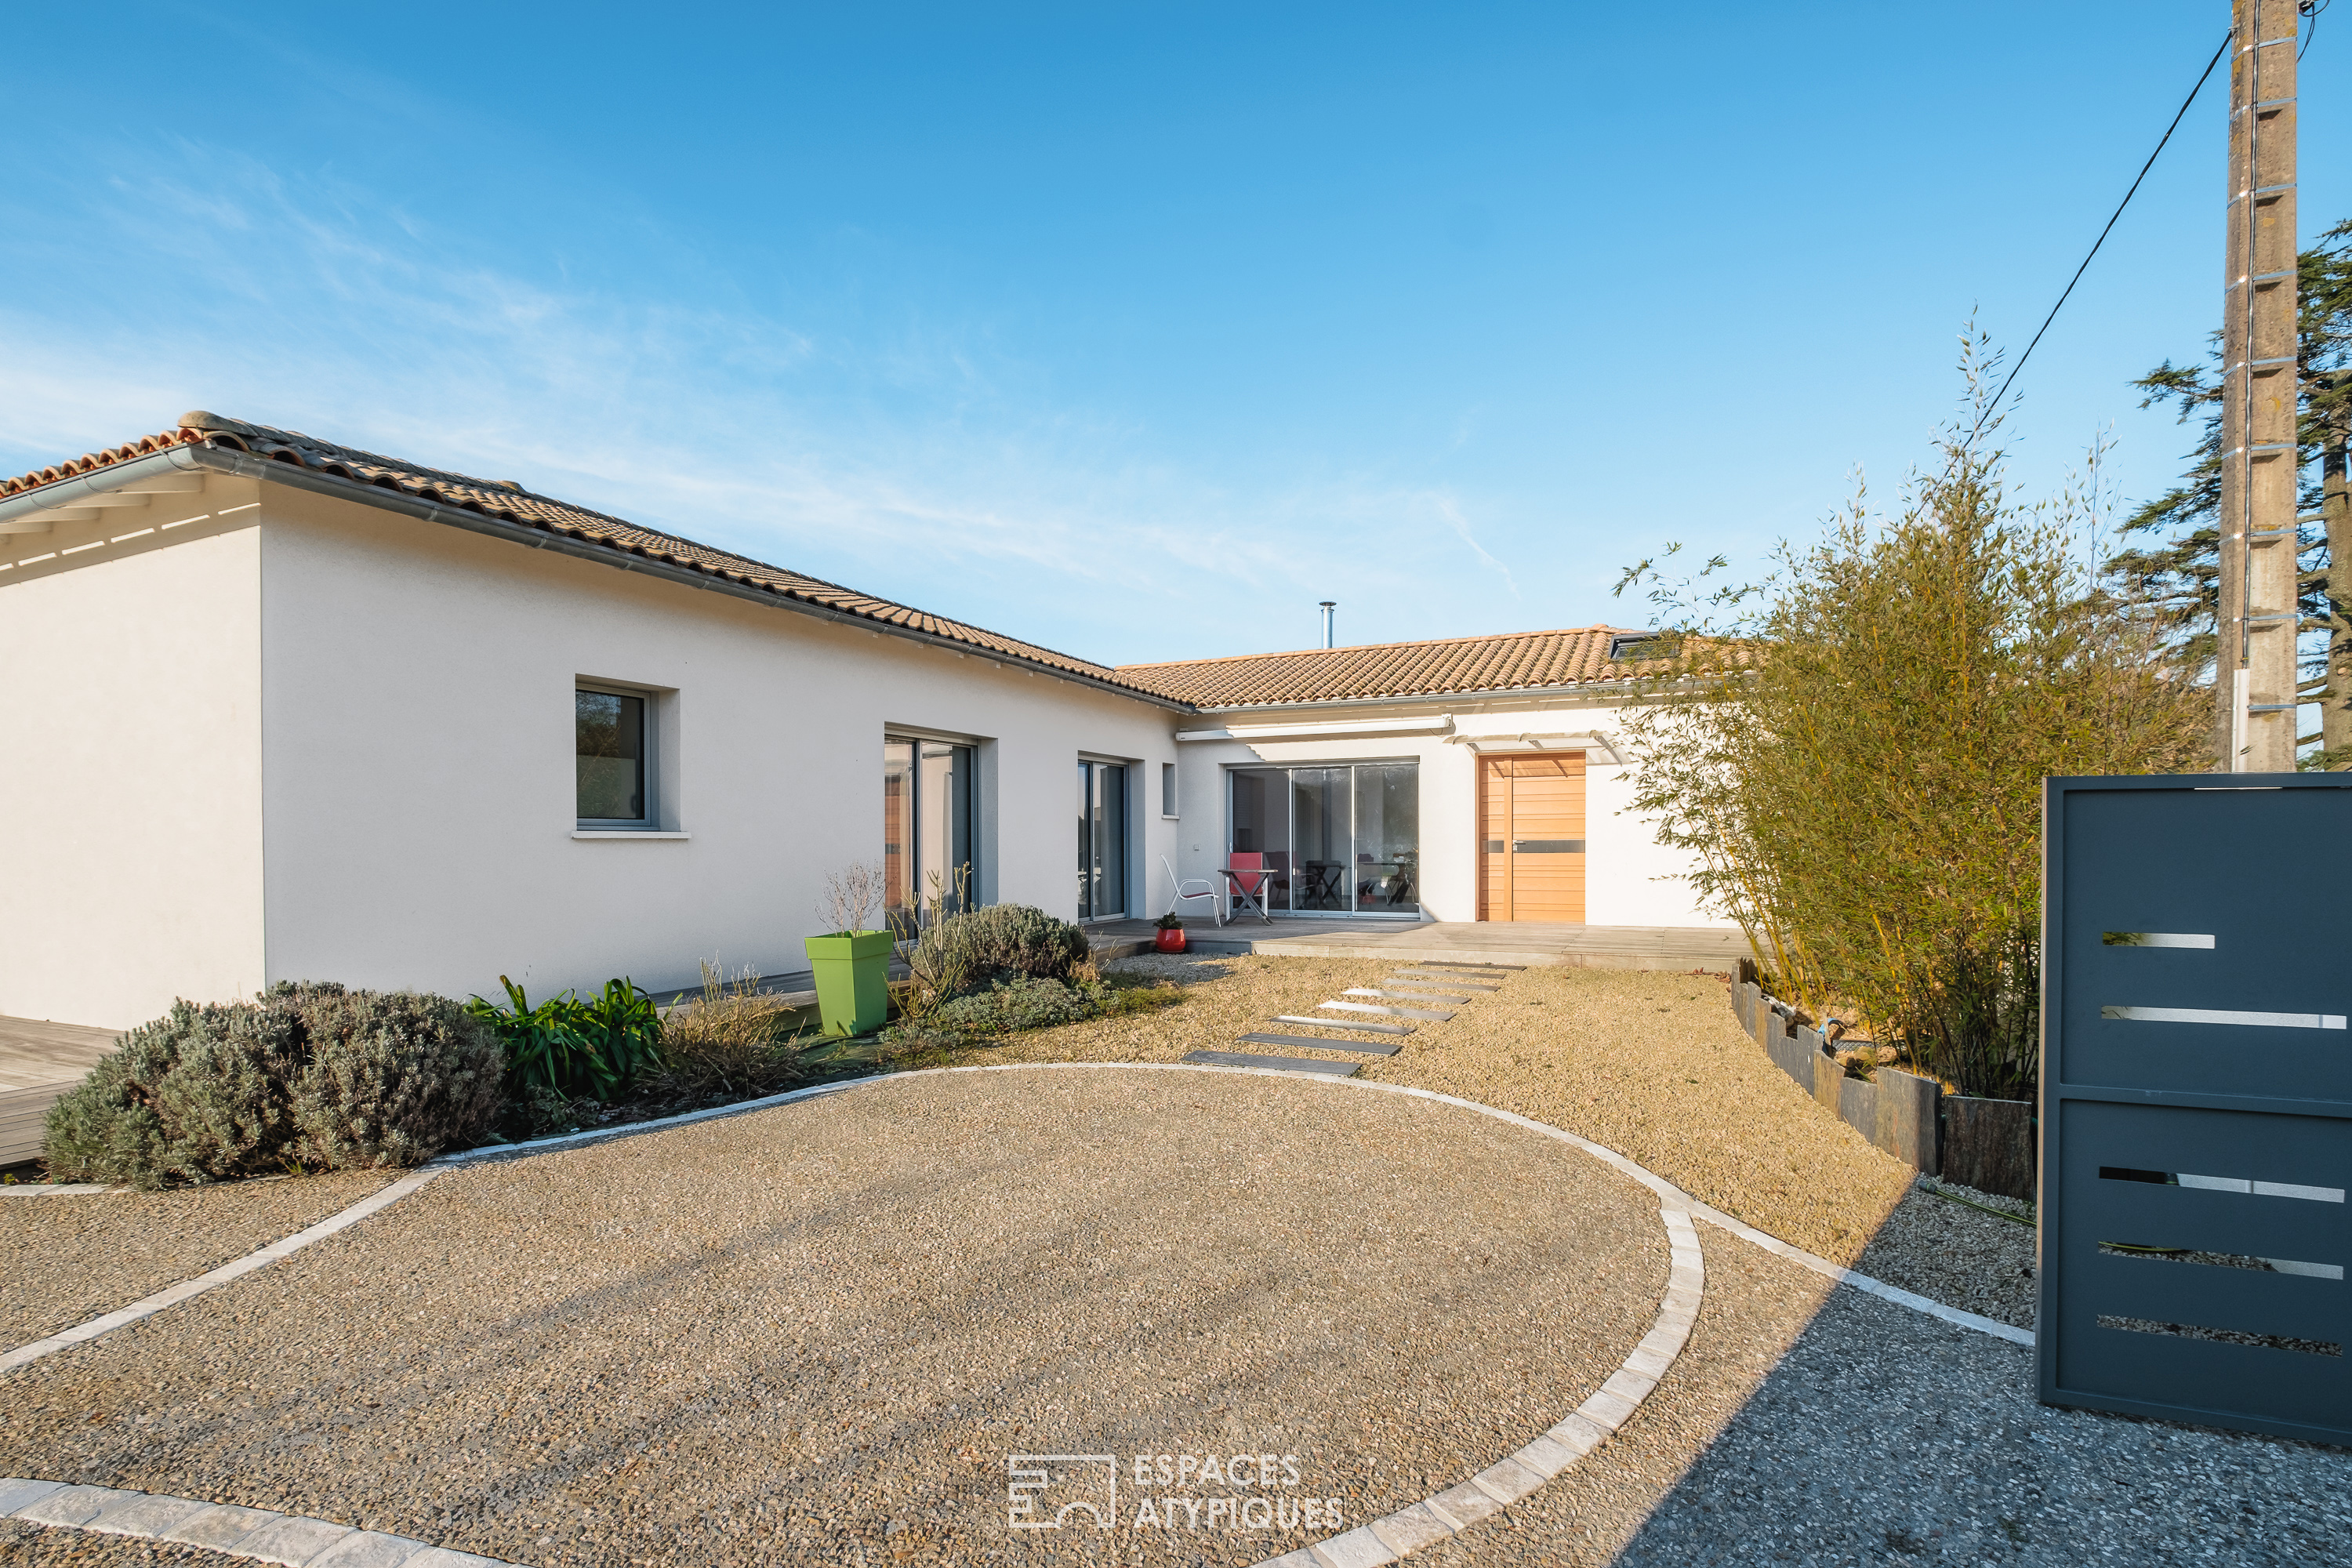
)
(928, 855)
(899, 830)
(1102, 840)
(1168, 789)
(609, 729)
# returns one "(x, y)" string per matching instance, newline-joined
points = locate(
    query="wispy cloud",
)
(913, 464)
(1451, 512)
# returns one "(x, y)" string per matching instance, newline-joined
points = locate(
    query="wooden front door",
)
(1531, 838)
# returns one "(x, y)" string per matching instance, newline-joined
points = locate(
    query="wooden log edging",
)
(1986, 1144)
(1898, 1112)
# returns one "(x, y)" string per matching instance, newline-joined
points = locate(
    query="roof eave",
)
(244, 465)
(1603, 688)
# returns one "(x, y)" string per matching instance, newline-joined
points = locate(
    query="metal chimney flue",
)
(1328, 605)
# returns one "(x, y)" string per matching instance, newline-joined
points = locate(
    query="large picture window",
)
(609, 734)
(927, 850)
(1341, 838)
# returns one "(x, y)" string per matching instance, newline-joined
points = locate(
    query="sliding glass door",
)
(1340, 838)
(926, 853)
(1102, 840)
(1319, 836)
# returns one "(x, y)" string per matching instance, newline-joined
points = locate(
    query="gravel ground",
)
(72, 1258)
(1755, 1310)
(1818, 1427)
(1954, 1254)
(1889, 1438)
(1652, 1065)
(813, 1335)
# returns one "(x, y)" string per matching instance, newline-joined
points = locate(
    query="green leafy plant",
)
(627, 1030)
(577, 1049)
(1169, 923)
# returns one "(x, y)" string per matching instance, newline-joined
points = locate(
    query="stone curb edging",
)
(173, 1295)
(257, 1533)
(57, 1189)
(1454, 1510)
(1864, 1282)
(1667, 1192)
(324, 1544)
(1383, 1541)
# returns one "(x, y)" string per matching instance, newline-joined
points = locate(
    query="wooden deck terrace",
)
(40, 1061)
(1529, 943)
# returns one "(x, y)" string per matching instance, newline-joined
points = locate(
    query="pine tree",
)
(2176, 577)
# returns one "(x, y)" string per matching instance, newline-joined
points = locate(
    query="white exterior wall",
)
(1630, 880)
(259, 735)
(419, 790)
(131, 871)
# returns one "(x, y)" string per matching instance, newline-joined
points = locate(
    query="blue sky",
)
(1134, 330)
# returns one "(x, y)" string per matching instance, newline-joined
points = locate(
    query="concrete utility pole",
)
(2255, 685)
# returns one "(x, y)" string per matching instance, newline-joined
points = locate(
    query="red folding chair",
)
(1247, 882)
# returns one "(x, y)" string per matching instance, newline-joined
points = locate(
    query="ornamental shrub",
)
(1854, 752)
(306, 1074)
(967, 953)
(734, 1041)
(1022, 1003)
(393, 1078)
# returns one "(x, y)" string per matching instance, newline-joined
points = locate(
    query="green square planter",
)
(853, 980)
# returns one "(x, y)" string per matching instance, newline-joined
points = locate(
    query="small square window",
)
(609, 728)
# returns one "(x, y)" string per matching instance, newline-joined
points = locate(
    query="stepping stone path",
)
(1437, 1015)
(1287, 1064)
(1362, 1047)
(1406, 987)
(1341, 1024)
(1451, 982)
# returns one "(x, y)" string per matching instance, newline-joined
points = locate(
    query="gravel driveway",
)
(1652, 1065)
(814, 1333)
(70, 1258)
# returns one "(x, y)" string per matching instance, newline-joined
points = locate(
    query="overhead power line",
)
(2177, 116)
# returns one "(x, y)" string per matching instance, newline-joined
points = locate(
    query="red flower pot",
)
(1169, 939)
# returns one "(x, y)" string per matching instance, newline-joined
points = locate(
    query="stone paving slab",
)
(1366, 1027)
(1435, 1015)
(1278, 1064)
(1363, 1047)
(245, 1534)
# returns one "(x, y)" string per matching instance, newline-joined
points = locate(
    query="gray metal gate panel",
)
(2197, 1100)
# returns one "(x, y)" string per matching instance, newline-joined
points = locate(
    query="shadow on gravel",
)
(1886, 1437)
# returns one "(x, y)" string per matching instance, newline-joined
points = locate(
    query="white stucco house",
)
(278, 709)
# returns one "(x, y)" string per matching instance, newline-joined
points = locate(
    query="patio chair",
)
(1248, 881)
(1208, 890)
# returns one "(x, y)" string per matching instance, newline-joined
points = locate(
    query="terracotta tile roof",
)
(511, 503)
(1513, 661)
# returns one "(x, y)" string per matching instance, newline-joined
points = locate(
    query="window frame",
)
(976, 856)
(648, 759)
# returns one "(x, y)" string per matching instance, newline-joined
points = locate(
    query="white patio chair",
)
(1208, 890)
